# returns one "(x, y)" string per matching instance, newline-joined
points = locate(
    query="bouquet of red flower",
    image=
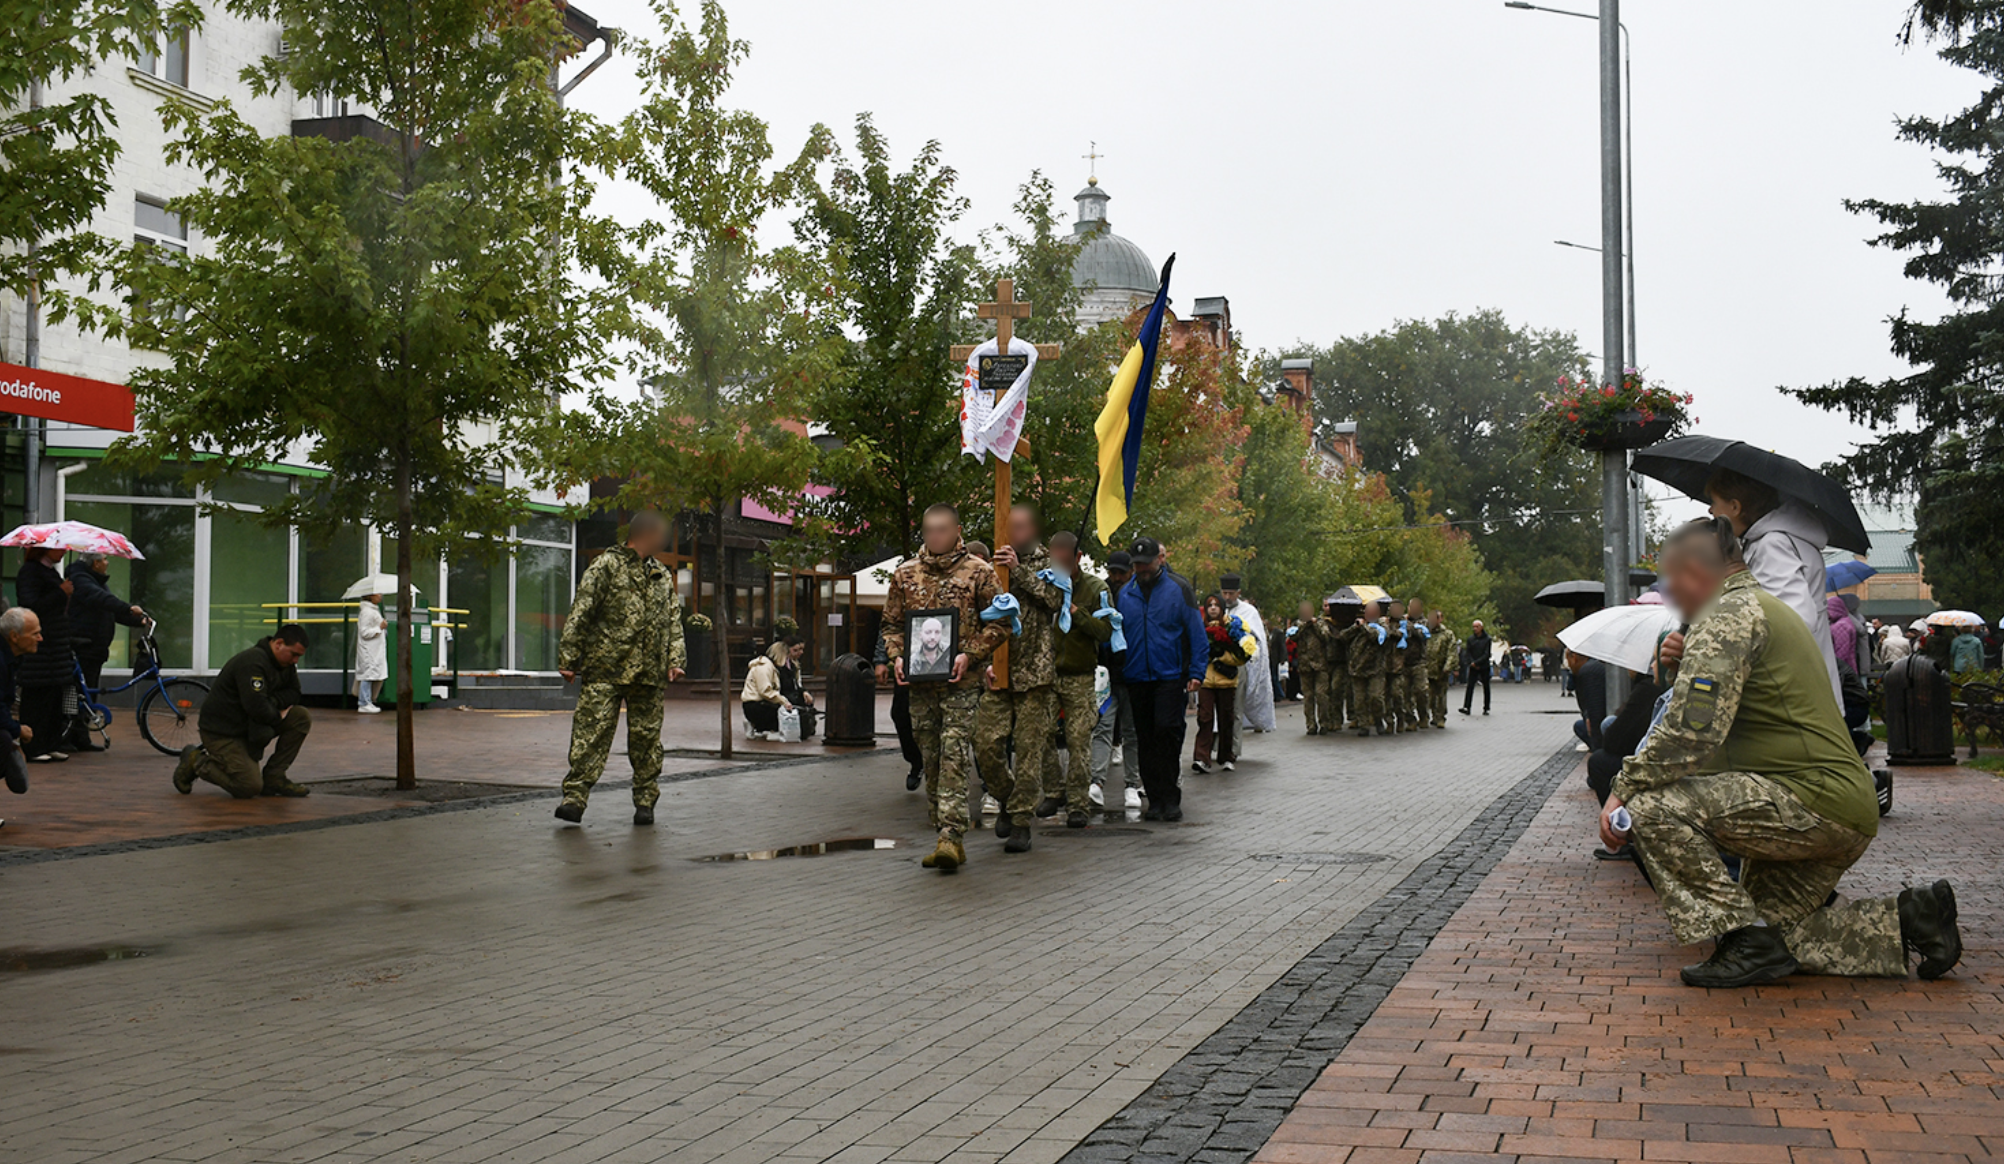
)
(1583, 415)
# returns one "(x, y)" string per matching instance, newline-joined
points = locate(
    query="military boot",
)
(947, 857)
(1002, 826)
(281, 786)
(1019, 840)
(1077, 819)
(1049, 806)
(1747, 956)
(569, 811)
(1927, 927)
(184, 772)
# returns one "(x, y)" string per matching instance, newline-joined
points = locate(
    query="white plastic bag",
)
(789, 725)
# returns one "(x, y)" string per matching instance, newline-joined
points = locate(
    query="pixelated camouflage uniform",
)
(1025, 712)
(1078, 661)
(1364, 646)
(943, 713)
(1312, 648)
(623, 636)
(1443, 650)
(1397, 714)
(1419, 698)
(1750, 694)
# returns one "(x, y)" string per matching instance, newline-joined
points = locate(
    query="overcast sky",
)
(1334, 167)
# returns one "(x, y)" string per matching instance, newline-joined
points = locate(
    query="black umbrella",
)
(1584, 594)
(1687, 462)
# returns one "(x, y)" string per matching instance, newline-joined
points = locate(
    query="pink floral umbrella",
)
(74, 535)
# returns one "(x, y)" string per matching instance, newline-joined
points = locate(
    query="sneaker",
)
(1228, 766)
(571, 812)
(1199, 766)
(643, 814)
(1927, 927)
(1747, 956)
(1120, 754)
(50, 758)
(990, 806)
(1581, 747)
(1097, 795)
(184, 772)
(368, 709)
(1464, 711)
(914, 778)
(280, 786)
(1485, 711)
(1049, 807)
(1132, 799)
(1076, 819)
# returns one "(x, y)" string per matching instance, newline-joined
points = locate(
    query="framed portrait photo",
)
(932, 639)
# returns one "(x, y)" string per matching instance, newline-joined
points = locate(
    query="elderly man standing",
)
(1082, 627)
(1751, 757)
(945, 576)
(623, 642)
(20, 634)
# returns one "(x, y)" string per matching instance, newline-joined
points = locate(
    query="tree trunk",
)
(722, 636)
(406, 704)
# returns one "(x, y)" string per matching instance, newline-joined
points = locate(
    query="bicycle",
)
(167, 711)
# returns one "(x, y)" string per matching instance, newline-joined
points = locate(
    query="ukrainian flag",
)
(1120, 422)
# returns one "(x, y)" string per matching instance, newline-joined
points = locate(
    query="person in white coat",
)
(1783, 540)
(372, 656)
(1255, 682)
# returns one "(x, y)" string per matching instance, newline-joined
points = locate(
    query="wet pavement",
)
(474, 982)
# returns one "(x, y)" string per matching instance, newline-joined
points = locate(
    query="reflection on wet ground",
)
(813, 849)
(1322, 858)
(64, 957)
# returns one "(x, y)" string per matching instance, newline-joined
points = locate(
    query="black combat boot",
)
(643, 814)
(1927, 927)
(1747, 956)
(1048, 807)
(1076, 819)
(1019, 839)
(570, 812)
(1002, 825)
(184, 772)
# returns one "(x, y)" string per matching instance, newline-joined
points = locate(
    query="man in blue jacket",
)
(1164, 662)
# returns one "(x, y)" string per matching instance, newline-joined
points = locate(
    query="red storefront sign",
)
(54, 396)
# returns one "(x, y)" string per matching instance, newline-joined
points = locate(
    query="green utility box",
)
(422, 645)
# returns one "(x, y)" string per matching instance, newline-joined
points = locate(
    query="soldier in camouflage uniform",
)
(1751, 756)
(1077, 661)
(1311, 665)
(623, 642)
(1364, 645)
(1443, 650)
(945, 576)
(1419, 643)
(1024, 713)
(1342, 714)
(1397, 714)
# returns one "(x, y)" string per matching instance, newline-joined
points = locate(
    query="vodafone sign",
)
(54, 396)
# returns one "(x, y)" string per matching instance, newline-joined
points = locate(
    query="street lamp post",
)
(1616, 544)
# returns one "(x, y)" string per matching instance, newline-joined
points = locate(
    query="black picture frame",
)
(924, 665)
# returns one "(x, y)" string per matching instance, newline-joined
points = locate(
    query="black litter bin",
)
(851, 714)
(1920, 718)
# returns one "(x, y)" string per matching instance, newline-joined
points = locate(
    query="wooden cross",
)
(1005, 311)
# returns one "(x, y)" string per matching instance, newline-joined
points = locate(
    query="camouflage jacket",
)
(955, 580)
(1033, 656)
(1443, 653)
(626, 622)
(1314, 644)
(1400, 643)
(1751, 696)
(1363, 644)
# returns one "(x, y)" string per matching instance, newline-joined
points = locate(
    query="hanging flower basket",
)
(1605, 417)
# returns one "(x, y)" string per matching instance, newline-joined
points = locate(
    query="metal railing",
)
(347, 620)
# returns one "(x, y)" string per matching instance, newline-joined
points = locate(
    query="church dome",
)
(1115, 270)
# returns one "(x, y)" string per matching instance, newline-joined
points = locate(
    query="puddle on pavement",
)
(815, 849)
(65, 957)
(1322, 858)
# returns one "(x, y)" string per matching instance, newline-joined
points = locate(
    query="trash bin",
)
(1920, 719)
(421, 653)
(851, 712)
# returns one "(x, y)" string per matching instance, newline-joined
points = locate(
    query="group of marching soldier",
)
(1374, 669)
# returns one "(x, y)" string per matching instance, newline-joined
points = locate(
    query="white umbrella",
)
(1954, 618)
(1625, 636)
(375, 584)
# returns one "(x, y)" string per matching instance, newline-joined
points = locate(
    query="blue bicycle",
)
(167, 710)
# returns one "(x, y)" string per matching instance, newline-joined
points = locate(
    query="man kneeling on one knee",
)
(254, 701)
(1751, 757)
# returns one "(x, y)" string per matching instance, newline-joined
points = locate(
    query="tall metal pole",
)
(1638, 527)
(1614, 324)
(31, 356)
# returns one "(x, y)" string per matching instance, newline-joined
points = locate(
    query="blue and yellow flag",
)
(1120, 422)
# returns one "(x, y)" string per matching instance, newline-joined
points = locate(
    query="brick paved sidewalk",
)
(1545, 1021)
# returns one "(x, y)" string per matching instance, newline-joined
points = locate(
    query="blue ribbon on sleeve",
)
(1005, 608)
(1062, 582)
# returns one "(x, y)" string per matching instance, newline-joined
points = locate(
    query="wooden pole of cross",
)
(1005, 311)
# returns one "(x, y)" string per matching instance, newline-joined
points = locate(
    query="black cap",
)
(1231, 582)
(1120, 560)
(1145, 549)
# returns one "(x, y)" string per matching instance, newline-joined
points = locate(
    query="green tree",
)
(730, 337)
(905, 289)
(394, 303)
(1440, 406)
(56, 156)
(1935, 428)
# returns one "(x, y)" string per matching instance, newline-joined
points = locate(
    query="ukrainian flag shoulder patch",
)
(1701, 704)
